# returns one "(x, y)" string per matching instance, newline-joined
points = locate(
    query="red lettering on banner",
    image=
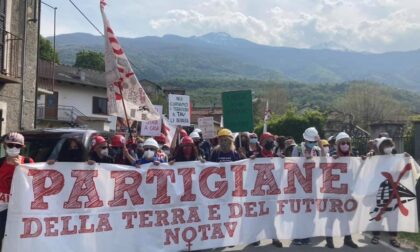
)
(294, 171)
(171, 236)
(233, 213)
(193, 217)
(249, 209)
(203, 229)
(27, 228)
(308, 203)
(295, 205)
(66, 231)
(265, 177)
(84, 186)
(162, 184)
(83, 225)
(103, 223)
(186, 174)
(263, 211)
(323, 207)
(336, 206)
(161, 218)
(213, 212)
(39, 189)
(221, 186)
(144, 217)
(49, 226)
(217, 231)
(281, 204)
(353, 205)
(230, 227)
(178, 216)
(329, 178)
(121, 186)
(238, 171)
(129, 217)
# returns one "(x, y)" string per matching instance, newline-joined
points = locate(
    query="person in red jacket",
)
(13, 144)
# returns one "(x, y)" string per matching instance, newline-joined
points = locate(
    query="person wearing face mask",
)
(150, 153)
(139, 149)
(267, 143)
(254, 146)
(325, 146)
(204, 146)
(225, 151)
(186, 151)
(13, 144)
(99, 151)
(161, 140)
(195, 136)
(343, 149)
(119, 151)
(243, 146)
(385, 146)
(72, 150)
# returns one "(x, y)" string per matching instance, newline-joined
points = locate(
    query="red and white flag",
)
(123, 87)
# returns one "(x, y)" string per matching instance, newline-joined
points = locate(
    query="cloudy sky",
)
(360, 25)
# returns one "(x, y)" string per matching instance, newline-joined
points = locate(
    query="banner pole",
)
(125, 113)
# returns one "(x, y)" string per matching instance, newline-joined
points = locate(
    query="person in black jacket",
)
(99, 151)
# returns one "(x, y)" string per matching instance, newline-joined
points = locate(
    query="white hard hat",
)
(380, 140)
(194, 134)
(197, 130)
(341, 136)
(150, 142)
(310, 134)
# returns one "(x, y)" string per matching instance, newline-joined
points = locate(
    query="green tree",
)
(46, 50)
(91, 60)
(292, 123)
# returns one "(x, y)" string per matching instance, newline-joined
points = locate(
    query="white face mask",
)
(388, 150)
(104, 152)
(327, 149)
(253, 140)
(148, 154)
(12, 152)
(167, 152)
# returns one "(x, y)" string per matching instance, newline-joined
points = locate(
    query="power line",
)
(94, 26)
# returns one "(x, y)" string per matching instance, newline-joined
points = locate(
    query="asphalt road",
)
(318, 244)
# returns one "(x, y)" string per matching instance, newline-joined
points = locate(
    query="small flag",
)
(123, 88)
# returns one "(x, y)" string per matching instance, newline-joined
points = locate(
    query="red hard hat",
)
(160, 139)
(187, 140)
(183, 133)
(117, 141)
(97, 140)
(266, 136)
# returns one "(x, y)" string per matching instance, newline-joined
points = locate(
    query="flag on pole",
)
(123, 87)
(267, 116)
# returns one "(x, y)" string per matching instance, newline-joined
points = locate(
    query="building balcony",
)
(11, 57)
(46, 74)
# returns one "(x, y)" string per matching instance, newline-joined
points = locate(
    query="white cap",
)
(150, 142)
(194, 134)
(197, 130)
(341, 136)
(310, 134)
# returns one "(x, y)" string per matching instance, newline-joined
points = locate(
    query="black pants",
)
(392, 234)
(3, 217)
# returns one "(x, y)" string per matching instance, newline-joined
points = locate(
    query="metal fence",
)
(402, 144)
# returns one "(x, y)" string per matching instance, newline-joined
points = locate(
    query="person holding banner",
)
(12, 143)
(343, 147)
(254, 146)
(119, 151)
(242, 144)
(187, 151)
(99, 151)
(150, 153)
(225, 151)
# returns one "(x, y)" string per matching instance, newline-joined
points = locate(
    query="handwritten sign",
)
(179, 110)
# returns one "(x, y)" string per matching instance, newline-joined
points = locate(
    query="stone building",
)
(19, 32)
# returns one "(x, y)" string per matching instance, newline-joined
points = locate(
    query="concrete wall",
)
(20, 98)
(81, 97)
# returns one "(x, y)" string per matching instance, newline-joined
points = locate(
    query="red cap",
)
(265, 136)
(187, 140)
(117, 141)
(183, 133)
(97, 141)
(160, 139)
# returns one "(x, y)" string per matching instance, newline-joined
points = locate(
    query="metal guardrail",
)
(68, 114)
(11, 60)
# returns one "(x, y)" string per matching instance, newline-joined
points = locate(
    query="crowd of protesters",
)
(192, 147)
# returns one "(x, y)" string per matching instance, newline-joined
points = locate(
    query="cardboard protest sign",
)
(152, 128)
(206, 124)
(179, 110)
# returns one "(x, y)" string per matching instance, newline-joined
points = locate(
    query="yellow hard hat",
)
(324, 142)
(224, 133)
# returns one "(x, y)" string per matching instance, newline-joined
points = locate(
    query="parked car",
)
(44, 144)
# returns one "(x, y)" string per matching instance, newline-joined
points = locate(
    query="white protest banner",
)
(152, 128)
(194, 205)
(206, 124)
(179, 110)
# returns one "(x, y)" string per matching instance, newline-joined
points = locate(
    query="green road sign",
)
(237, 110)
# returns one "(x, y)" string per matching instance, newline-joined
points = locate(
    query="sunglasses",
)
(146, 149)
(312, 141)
(345, 143)
(104, 147)
(12, 145)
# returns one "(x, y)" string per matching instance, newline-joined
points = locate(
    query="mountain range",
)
(221, 56)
